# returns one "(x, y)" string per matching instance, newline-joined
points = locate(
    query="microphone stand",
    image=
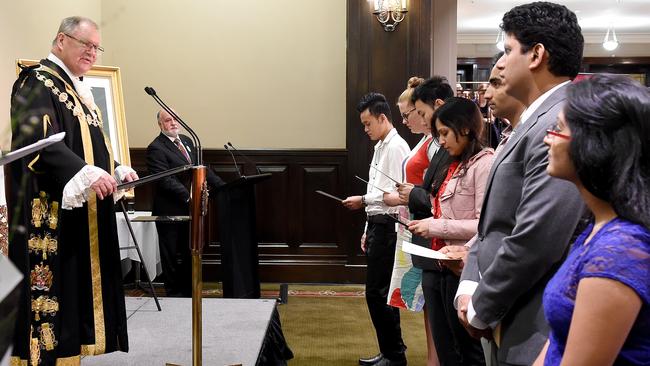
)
(195, 138)
(233, 160)
(245, 157)
(198, 211)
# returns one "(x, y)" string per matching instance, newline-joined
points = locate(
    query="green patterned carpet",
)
(335, 328)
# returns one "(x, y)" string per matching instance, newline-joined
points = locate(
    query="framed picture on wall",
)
(106, 84)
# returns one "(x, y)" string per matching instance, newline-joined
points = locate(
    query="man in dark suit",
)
(527, 217)
(172, 196)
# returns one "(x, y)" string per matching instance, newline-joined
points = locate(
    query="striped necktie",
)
(180, 147)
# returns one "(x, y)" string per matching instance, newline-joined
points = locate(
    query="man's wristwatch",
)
(363, 200)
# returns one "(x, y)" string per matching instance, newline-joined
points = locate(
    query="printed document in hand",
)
(425, 252)
(24, 151)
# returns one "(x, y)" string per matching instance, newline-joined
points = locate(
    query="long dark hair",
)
(609, 119)
(461, 114)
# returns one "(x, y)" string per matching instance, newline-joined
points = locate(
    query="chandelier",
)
(389, 13)
(610, 43)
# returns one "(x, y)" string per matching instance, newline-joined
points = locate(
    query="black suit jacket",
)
(420, 202)
(172, 193)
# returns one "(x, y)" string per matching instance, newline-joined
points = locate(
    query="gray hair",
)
(70, 24)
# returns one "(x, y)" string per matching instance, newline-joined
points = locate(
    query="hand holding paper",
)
(425, 252)
(420, 227)
(353, 203)
(458, 252)
(455, 251)
(404, 191)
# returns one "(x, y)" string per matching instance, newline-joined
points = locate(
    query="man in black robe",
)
(61, 201)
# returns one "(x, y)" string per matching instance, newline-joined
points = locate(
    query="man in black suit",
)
(172, 196)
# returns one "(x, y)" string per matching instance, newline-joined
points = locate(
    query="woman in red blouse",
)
(405, 290)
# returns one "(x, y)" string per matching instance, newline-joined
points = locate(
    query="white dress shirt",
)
(388, 156)
(467, 287)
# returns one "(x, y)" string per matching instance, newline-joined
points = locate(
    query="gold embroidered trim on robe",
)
(17, 361)
(44, 245)
(68, 361)
(43, 305)
(93, 232)
(39, 209)
(53, 217)
(47, 339)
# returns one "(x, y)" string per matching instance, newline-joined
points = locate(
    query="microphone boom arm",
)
(195, 137)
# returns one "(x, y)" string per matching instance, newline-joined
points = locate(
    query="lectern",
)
(238, 237)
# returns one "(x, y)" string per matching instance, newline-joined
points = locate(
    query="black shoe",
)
(370, 361)
(386, 362)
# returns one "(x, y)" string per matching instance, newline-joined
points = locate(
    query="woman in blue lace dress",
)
(598, 303)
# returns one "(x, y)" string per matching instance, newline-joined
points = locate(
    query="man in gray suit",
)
(527, 217)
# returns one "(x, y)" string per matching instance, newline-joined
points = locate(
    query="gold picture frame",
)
(106, 83)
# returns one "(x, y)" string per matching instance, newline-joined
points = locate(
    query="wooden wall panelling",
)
(302, 235)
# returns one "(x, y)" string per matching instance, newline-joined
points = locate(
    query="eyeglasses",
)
(555, 132)
(87, 45)
(405, 115)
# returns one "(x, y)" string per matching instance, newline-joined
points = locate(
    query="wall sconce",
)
(610, 43)
(501, 39)
(389, 13)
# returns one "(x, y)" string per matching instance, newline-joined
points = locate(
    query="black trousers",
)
(175, 258)
(454, 345)
(380, 252)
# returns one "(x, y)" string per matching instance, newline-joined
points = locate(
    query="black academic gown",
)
(72, 301)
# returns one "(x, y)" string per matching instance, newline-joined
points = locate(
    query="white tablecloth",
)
(147, 237)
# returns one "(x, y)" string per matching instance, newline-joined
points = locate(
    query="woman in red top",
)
(456, 209)
(405, 290)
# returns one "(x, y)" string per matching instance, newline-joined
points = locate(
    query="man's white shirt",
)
(388, 156)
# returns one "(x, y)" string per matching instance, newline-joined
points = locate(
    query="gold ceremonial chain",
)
(77, 110)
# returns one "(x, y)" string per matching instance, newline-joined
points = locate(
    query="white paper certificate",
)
(425, 252)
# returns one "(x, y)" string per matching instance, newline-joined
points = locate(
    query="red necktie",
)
(182, 149)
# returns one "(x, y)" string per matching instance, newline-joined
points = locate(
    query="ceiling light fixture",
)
(610, 43)
(501, 38)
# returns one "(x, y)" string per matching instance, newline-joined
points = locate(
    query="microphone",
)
(245, 157)
(195, 138)
(233, 159)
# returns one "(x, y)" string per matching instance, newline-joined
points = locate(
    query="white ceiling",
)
(478, 20)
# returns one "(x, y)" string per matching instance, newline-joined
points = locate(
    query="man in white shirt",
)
(379, 238)
(527, 217)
